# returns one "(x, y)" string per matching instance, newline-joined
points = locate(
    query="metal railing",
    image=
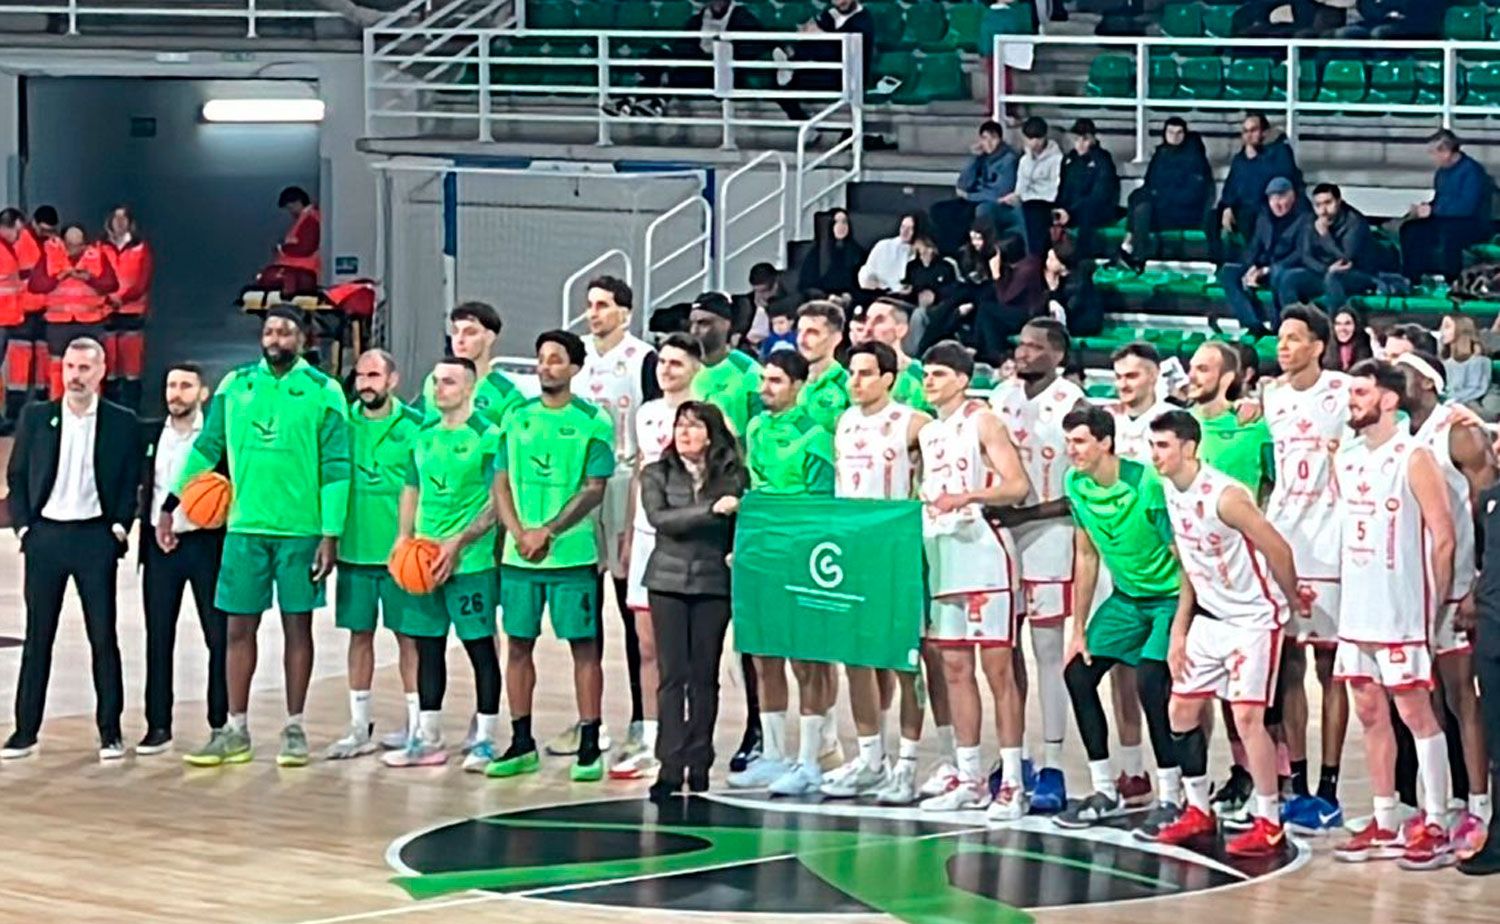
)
(651, 297)
(730, 218)
(76, 11)
(416, 41)
(853, 143)
(488, 76)
(1293, 99)
(588, 271)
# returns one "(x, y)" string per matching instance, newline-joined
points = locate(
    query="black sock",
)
(1328, 784)
(1299, 777)
(588, 742)
(520, 735)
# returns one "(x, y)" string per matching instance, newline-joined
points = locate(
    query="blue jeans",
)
(1244, 305)
(1005, 219)
(1304, 285)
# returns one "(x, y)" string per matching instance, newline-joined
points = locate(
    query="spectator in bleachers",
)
(753, 324)
(783, 328)
(1037, 178)
(1350, 343)
(1088, 193)
(1458, 215)
(831, 267)
(1071, 298)
(1405, 338)
(1336, 257)
(1396, 19)
(1020, 295)
(713, 19)
(1465, 365)
(1175, 195)
(1241, 201)
(930, 278)
(974, 290)
(1294, 19)
(885, 267)
(989, 176)
(1271, 252)
(841, 17)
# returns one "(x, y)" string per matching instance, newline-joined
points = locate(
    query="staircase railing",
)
(730, 217)
(248, 10)
(652, 295)
(852, 142)
(404, 56)
(588, 271)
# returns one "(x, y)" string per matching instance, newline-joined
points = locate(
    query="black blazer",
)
(691, 540)
(33, 462)
(151, 431)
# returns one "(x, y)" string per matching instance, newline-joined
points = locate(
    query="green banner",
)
(830, 579)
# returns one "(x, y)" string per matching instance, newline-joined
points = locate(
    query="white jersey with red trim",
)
(1035, 424)
(1133, 434)
(965, 554)
(1307, 427)
(872, 456)
(1230, 578)
(653, 434)
(1383, 566)
(1435, 433)
(613, 381)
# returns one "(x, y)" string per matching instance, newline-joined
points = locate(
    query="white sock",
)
(1479, 806)
(1052, 754)
(969, 764)
(1385, 813)
(946, 748)
(1010, 765)
(830, 731)
(238, 721)
(430, 726)
(1268, 807)
(1169, 785)
(1196, 788)
(872, 751)
(1047, 646)
(1025, 751)
(293, 718)
(359, 709)
(1103, 778)
(648, 734)
(811, 741)
(484, 729)
(773, 735)
(1132, 760)
(908, 752)
(1432, 767)
(413, 709)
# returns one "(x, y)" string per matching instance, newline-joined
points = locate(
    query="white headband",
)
(1423, 368)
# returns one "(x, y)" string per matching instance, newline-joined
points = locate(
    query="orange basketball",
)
(411, 565)
(205, 500)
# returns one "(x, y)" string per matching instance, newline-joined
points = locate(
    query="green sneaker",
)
(225, 746)
(514, 763)
(588, 773)
(293, 747)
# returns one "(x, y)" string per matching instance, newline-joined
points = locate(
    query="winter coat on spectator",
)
(1245, 186)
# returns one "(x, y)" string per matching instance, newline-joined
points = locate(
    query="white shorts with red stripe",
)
(641, 544)
(986, 618)
(1047, 602)
(1447, 637)
(1231, 662)
(1401, 666)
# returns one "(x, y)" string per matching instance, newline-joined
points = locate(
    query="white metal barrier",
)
(506, 72)
(652, 296)
(1292, 53)
(852, 143)
(246, 10)
(730, 218)
(588, 271)
(398, 36)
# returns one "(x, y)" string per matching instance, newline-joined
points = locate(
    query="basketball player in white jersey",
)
(1032, 408)
(679, 358)
(1227, 634)
(1463, 454)
(874, 449)
(1307, 409)
(1396, 565)
(619, 375)
(969, 463)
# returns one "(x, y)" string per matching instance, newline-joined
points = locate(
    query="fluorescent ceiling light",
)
(263, 110)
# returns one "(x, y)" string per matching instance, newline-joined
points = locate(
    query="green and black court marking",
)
(731, 854)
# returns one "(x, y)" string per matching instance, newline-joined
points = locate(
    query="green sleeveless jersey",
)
(548, 454)
(1129, 525)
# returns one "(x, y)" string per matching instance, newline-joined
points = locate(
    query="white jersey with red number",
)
(613, 381)
(1435, 434)
(653, 434)
(872, 455)
(1229, 576)
(1035, 424)
(1307, 427)
(1133, 434)
(965, 554)
(1383, 565)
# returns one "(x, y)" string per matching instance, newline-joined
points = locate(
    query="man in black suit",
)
(73, 475)
(175, 558)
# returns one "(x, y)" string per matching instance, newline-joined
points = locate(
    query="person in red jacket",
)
(125, 340)
(298, 263)
(15, 266)
(74, 281)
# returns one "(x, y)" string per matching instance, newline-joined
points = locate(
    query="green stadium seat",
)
(1012, 19)
(1429, 76)
(1344, 81)
(1201, 78)
(1218, 21)
(763, 10)
(963, 26)
(900, 65)
(938, 77)
(1464, 23)
(1248, 79)
(552, 14)
(789, 16)
(926, 23)
(596, 15)
(1182, 20)
(634, 15)
(674, 14)
(890, 25)
(1111, 76)
(1393, 81)
(1482, 85)
(1162, 80)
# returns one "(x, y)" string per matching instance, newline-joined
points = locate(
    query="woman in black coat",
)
(831, 267)
(690, 498)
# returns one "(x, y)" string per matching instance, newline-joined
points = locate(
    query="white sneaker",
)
(963, 794)
(860, 781)
(357, 743)
(800, 780)
(836, 775)
(113, 750)
(941, 780)
(760, 773)
(1010, 805)
(639, 764)
(479, 756)
(1404, 813)
(395, 741)
(901, 786)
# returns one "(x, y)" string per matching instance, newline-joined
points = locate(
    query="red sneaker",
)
(1427, 847)
(1135, 791)
(1373, 843)
(1192, 823)
(1264, 839)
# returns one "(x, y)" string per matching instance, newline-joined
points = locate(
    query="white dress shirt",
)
(171, 455)
(75, 492)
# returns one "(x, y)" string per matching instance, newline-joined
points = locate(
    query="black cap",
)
(715, 303)
(1083, 127)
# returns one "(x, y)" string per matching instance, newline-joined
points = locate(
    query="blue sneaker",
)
(1028, 778)
(1051, 794)
(760, 774)
(1312, 815)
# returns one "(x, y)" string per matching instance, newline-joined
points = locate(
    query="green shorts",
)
(365, 592)
(464, 601)
(253, 565)
(1131, 629)
(569, 595)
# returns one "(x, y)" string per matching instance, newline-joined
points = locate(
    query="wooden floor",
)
(147, 839)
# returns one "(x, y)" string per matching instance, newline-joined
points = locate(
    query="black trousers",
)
(1144, 219)
(1487, 667)
(1435, 246)
(166, 577)
(87, 553)
(1153, 685)
(632, 641)
(689, 642)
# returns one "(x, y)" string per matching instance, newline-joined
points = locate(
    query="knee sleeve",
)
(432, 672)
(486, 663)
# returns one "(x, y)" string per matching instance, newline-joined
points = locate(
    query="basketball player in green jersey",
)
(889, 322)
(474, 329)
(1243, 451)
(729, 379)
(556, 453)
(820, 331)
